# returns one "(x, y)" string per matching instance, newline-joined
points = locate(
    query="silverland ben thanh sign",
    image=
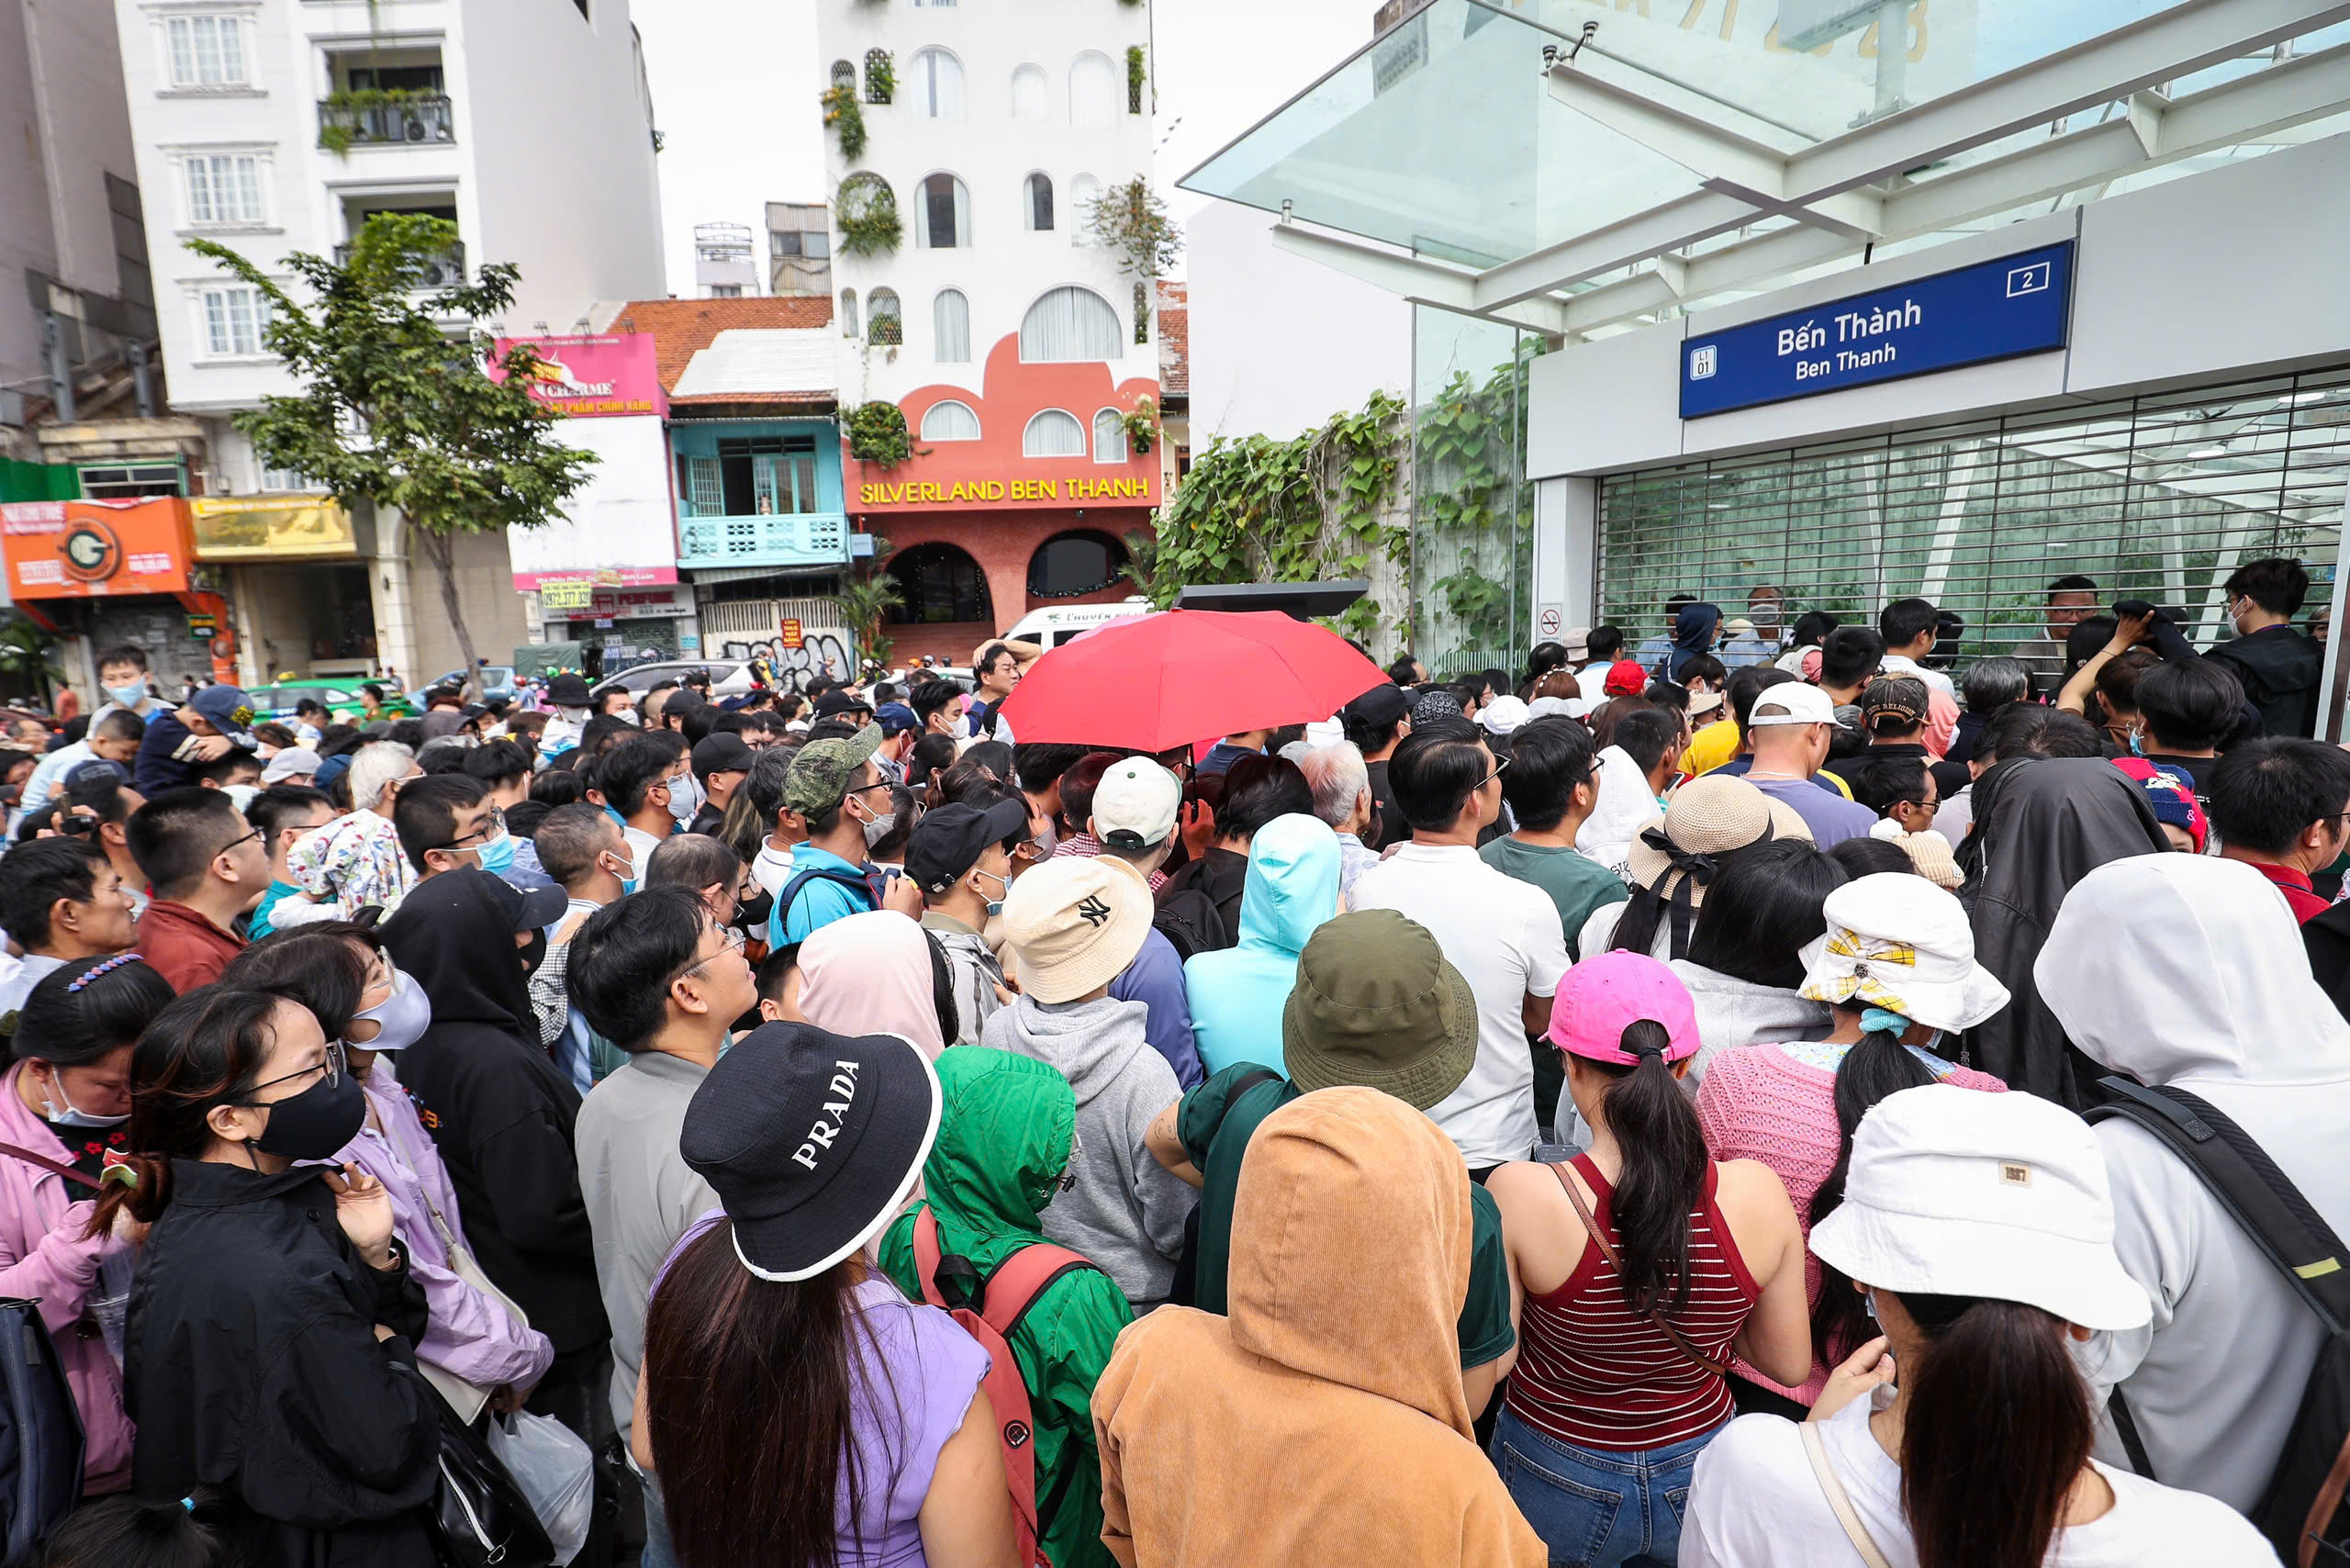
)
(921, 492)
(1997, 310)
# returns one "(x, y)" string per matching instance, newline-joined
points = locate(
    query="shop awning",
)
(1574, 166)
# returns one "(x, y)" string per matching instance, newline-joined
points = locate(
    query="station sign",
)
(1998, 309)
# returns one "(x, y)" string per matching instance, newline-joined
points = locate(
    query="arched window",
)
(1032, 93)
(1084, 192)
(1069, 324)
(950, 420)
(883, 325)
(943, 216)
(950, 326)
(848, 312)
(1092, 91)
(1069, 564)
(1109, 437)
(934, 82)
(939, 585)
(845, 75)
(1053, 433)
(879, 76)
(1039, 207)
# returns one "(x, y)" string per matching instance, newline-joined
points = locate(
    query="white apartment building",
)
(277, 125)
(1009, 339)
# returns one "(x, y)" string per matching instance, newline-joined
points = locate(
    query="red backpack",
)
(997, 1302)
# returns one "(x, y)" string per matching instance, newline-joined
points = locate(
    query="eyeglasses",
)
(733, 945)
(1496, 773)
(491, 826)
(243, 838)
(335, 1065)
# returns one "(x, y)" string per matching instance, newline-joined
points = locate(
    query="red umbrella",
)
(1162, 682)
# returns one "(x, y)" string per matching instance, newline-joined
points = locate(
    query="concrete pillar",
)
(389, 593)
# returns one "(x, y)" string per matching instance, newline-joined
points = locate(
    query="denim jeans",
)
(1597, 1508)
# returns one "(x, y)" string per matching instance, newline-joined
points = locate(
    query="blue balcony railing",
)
(802, 539)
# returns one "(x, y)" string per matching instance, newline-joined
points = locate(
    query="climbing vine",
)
(1136, 75)
(846, 117)
(878, 434)
(865, 212)
(1130, 219)
(1473, 511)
(1287, 511)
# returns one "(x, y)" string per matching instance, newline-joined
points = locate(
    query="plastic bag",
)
(555, 1471)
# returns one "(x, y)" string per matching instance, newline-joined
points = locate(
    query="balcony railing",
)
(417, 118)
(443, 269)
(801, 539)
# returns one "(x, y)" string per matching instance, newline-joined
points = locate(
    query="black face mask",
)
(315, 1123)
(752, 914)
(534, 952)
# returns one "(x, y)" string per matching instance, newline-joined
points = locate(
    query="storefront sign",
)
(1997, 310)
(593, 377)
(789, 634)
(574, 595)
(925, 493)
(238, 527)
(860, 546)
(92, 549)
(601, 604)
(201, 627)
(603, 578)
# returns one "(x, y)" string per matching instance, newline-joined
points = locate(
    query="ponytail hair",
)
(1879, 1066)
(1999, 1428)
(1656, 1128)
(203, 1050)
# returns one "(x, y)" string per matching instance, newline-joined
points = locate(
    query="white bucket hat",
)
(1953, 1192)
(1896, 941)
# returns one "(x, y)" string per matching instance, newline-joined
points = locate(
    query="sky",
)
(734, 85)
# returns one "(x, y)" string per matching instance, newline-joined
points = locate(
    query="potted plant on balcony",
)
(865, 212)
(844, 118)
(1141, 425)
(878, 434)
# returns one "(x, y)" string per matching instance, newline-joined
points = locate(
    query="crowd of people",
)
(1702, 1105)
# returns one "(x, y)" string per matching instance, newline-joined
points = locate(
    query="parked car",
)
(341, 695)
(497, 680)
(728, 677)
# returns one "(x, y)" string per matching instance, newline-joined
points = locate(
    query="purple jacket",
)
(44, 1254)
(468, 1334)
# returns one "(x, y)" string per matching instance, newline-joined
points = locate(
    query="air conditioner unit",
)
(415, 128)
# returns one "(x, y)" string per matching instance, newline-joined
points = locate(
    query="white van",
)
(1051, 628)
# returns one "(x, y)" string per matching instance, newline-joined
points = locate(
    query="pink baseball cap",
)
(1603, 996)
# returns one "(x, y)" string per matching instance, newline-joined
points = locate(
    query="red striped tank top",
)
(1591, 1373)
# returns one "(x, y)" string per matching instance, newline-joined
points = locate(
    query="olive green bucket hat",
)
(1376, 1004)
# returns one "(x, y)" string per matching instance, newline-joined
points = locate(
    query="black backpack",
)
(1188, 919)
(2302, 1512)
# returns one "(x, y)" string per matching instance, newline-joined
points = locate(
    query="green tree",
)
(864, 600)
(398, 406)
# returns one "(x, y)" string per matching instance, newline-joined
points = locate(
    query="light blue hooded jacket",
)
(1238, 994)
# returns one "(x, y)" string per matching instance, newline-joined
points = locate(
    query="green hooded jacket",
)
(1005, 1135)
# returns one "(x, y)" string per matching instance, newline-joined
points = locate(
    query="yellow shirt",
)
(1710, 747)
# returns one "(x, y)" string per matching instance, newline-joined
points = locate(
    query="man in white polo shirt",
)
(1502, 934)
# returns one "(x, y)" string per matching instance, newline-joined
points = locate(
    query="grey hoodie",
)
(1732, 1012)
(1125, 1211)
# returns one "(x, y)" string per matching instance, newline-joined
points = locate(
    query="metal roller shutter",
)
(2157, 497)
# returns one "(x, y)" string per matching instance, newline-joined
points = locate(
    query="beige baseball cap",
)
(1135, 804)
(1074, 924)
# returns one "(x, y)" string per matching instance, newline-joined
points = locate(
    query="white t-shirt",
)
(1502, 935)
(1755, 1503)
(1592, 681)
(771, 868)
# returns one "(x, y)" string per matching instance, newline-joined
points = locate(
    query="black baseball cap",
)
(948, 841)
(836, 700)
(811, 1140)
(1381, 706)
(533, 911)
(722, 751)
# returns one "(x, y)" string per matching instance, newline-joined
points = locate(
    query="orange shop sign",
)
(94, 549)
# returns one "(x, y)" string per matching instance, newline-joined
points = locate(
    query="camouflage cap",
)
(823, 770)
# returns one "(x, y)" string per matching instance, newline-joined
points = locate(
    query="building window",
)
(279, 481)
(1092, 91)
(1039, 205)
(844, 74)
(1032, 93)
(1109, 437)
(234, 315)
(1069, 564)
(1069, 324)
(208, 52)
(950, 323)
(883, 325)
(950, 420)
(935, 79)
(766, 476)
(848, 312)
(132, 482)
(939, 585)
(224, 188)
(943, 216)
(1084, 192)
(726, 291)
(878, 74)
(1053, 433)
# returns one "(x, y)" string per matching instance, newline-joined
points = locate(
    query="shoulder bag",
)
(1608, 1250)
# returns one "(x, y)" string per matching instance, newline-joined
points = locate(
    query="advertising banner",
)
(594, 377)
(242, 528)
(93, 549)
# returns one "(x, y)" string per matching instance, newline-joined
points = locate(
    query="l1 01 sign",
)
(1997, 310)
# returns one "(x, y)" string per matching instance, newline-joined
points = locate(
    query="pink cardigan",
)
(44, 1254)
(1759, 1102)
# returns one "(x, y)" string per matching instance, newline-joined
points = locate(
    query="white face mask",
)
(66, 1114)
